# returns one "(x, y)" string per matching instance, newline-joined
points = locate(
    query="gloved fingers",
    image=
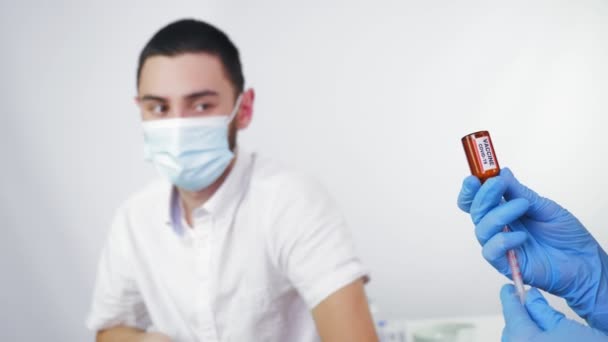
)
(541, 312)
(470, 186)
(526, 323)
(518, 226)
(495, 250)
(489, 196)
(514, 188)
(495, 220)
(541, 208)
(517, 319)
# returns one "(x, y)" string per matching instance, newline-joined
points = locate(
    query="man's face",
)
(191, 85)
(186, 85)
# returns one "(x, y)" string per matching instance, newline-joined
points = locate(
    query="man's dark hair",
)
(194, 36)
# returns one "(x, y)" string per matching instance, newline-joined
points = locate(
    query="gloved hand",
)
(555, 252)
(538, 322)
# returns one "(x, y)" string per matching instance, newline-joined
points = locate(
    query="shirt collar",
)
(224, 201)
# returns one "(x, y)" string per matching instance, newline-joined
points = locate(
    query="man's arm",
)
(118, 312)
(344, 316)
(128, 334)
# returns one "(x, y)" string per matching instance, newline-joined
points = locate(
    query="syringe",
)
(483, 164)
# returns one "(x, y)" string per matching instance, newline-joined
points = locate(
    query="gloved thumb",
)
(517, 320)
(540, 311)
(470, 186)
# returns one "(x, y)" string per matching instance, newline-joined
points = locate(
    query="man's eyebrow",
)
(202, 93)
(191, 96)
(152, 98)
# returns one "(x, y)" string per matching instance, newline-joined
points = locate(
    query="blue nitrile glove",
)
(555, 252)
(539, 322)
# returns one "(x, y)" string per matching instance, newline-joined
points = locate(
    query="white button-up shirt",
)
(263, 251)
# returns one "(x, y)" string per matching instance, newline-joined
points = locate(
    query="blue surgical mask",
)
(191, 152)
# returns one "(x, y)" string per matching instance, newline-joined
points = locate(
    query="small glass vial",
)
(480, 155)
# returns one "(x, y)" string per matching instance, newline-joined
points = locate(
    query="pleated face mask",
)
(191, 153)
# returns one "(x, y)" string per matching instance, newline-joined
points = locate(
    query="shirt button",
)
(188, 241)
(195, 320)
(200, 242)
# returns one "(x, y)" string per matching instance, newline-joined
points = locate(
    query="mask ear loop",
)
(236, 108)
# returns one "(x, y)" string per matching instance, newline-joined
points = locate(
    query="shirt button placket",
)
(206, 328)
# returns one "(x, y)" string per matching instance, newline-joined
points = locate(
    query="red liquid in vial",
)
(480, 155)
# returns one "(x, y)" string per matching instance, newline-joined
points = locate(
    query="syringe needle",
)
(516, 272)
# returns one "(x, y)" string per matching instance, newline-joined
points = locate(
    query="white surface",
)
(488, 328)
(370, 97)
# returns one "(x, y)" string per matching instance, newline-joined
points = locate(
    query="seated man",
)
(233, 247)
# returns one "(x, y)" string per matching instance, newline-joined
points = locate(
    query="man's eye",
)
(159, 109)
(201, 107)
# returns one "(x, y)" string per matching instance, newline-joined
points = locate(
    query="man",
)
(555, 252)
(234, 247)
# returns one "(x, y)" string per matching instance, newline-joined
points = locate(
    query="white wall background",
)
(371, 98)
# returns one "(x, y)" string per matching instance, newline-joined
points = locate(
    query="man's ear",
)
(245, 114)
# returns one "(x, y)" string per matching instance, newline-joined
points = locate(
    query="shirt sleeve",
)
(116, 299)
(315, 248)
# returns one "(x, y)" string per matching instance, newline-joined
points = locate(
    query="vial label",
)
(484, 152)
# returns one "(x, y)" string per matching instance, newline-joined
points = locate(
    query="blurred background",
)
(371, 98)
